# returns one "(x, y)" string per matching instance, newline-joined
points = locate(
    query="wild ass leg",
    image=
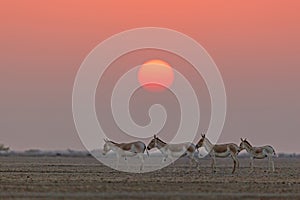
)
(191, 163)
(251, 163)
(127, 164)
(273, 168)
(270, 163)
(173, 163)
(192, 159)
(196, 161)
(118, 161)
(213, 164)
(235, 161)
(198, 165)
(141, 156)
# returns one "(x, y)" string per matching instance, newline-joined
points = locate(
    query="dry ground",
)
(86, 178)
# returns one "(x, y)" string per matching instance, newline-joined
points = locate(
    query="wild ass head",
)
(243, 144)
(201, 141)
(107, 146)
(153, 143)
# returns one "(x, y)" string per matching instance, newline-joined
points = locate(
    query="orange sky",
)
(255, 44)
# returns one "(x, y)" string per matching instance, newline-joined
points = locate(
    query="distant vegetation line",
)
(75, 153)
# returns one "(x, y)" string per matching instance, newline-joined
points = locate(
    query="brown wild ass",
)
(174, 150)
(126, 149)
(262, 152)
(219, 150)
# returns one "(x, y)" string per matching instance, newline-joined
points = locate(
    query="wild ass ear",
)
(242, 140)
(154, 136)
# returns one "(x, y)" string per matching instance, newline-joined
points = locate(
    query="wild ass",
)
(219, 150)
(259, 153)
(174, 150)
(126, 149)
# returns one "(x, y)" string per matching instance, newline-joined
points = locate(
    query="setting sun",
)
(156, 75)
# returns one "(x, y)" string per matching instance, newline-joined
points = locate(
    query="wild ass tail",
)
(274, 153)
(145, 149)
